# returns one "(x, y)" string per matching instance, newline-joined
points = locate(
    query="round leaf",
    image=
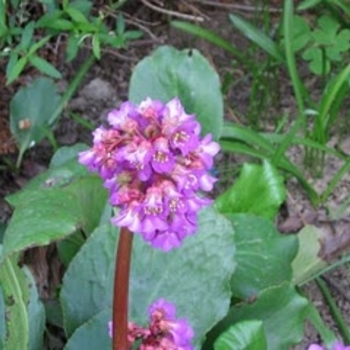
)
(263, 255)
(31, 110)
(53, 213)
(247, 335)
(66, 153)
(282, 311)
(93, 334)
(259, 190)
(170, 73)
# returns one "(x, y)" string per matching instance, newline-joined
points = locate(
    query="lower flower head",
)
(164, 332)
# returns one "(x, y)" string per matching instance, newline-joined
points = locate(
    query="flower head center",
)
(160, 157)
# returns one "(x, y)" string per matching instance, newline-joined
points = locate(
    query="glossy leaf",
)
(25, 316)
(264, 256)
(247, 335)
(259, 190)
(16, 296)
(67, 153)
(92, 334)
(54, 213)
(30, 112)
(178, 276)
(282, 311)
(168, 73)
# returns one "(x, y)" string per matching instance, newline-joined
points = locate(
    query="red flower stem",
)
(121, 290)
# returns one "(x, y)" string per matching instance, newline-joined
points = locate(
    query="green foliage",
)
(324, 44)
(64, 192)
(258, 37)
(247, 335)
(31, 117)
(25, 316)
(307, 262)
(282, 311)
(178, 276)
(263, 255)
(169, 73)
(237, 274)
(75, 19)
(258, 190)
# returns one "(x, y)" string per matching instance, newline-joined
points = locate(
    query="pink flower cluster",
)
(336, 346)
(154, 162)
(165, 332)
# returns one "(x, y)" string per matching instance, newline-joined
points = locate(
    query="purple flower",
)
(163, 318)
(154, 163)
(164, 332)
(336, 346)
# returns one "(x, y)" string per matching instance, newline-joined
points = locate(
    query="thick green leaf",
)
(168, 73)
(57, 177)
(92, 334)
(307, 263)
(33, 104)
(69, 247)
(16, 296)
(247, 335)
(67, 153)
(263, 255)
(200, 270)
(282, 311)
(36, 314)
(25, 316)
(53, 213)
(259, 190)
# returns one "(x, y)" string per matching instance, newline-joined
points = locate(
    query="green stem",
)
(291, 64)
(121, 290)
(342, 171)
(73, 86)
(337, 316)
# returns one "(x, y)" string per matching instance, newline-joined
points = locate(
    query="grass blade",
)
(330, 96)
(258, 37)
(297, 87)
(209, 36)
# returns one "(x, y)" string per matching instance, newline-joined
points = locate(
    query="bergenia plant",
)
(154, 163)
(212, 274)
